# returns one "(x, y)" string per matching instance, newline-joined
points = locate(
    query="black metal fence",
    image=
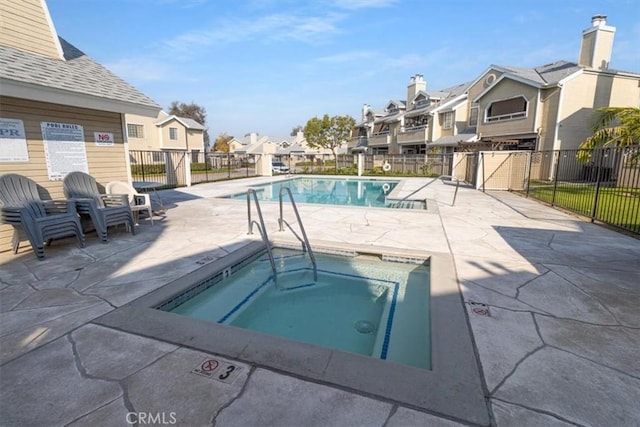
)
(602, 184)
(177, 168)
(378, 164)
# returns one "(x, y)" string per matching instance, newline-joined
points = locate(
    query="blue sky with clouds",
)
(268, 65)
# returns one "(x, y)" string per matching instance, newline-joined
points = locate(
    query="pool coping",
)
(452, 388)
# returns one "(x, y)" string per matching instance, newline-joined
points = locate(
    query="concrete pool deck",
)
(558, 347)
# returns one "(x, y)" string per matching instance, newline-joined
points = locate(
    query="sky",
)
(267, 66)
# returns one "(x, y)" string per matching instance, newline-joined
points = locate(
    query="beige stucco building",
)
(549, 107)
(55, 100)
(164, 132)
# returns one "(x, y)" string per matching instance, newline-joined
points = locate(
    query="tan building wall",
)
(507, 89)
(26, 25)
(106, 163)
(587, 92)
(550, 101)
(482, 84)
(151, 135)
(166, 142)
(195, 140)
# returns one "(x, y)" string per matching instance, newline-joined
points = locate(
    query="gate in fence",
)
(180, 168)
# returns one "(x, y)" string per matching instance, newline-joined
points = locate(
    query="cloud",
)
(362, 4)
(269, 28)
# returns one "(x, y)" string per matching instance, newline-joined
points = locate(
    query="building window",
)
(447, 120)
(473, 116)
(508, 109)
(135, 131)
(173, 134)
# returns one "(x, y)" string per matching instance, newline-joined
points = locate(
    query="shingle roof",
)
(546, 74)
(79, 74)
(187, 122)
(191, 124)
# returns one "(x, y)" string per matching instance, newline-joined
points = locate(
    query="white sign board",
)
(104, 139)
(64, 149)
(13, 141)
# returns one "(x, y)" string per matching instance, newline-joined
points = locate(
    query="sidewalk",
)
(552, 302)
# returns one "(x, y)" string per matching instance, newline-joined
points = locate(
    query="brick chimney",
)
(597, 44)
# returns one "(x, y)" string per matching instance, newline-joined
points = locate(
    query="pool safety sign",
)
(217, 370)
(13, 141)
(103, 139)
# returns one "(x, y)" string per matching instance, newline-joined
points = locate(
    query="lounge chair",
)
(35, 219)
(104, 210)
(137, 201)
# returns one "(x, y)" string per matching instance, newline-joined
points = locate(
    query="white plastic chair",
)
(137, 201)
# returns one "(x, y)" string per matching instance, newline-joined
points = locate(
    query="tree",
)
(191, 111)
(329, 132)
(613, 126)
(222, 143)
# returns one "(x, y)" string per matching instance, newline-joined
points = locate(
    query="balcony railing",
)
(379, 139)
(413, 134)
(501, 117)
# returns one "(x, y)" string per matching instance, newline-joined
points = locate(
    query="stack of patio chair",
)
(36, 220)
(137, 201)
(105, 210)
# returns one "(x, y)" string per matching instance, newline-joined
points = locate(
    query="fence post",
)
(482, 161)
(555, 178)
(187, 168)
(529, 173)
(142, 165)
(594, 209)
(206, 165)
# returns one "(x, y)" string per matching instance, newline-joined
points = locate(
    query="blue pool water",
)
(328, 191)
(358, 304)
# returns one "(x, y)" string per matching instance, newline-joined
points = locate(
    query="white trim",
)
(125, 140)
(52, 28)
(537, 114)
(486, 109)
(570, 77)
(34, 92)
(556, 131)
(510, 77)
(174, 117)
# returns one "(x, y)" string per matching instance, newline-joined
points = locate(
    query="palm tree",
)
(613, 127)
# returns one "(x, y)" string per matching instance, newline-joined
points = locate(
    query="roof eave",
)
(52, 95)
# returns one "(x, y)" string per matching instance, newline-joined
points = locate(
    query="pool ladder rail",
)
(306, 247)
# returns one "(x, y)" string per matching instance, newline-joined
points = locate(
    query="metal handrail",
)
(262, 229)
(305, 241)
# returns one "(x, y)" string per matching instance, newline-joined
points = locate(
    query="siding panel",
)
(105, 163)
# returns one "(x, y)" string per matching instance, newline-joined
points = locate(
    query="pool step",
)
(407, 204)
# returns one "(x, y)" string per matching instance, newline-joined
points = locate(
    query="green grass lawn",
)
(617, 206)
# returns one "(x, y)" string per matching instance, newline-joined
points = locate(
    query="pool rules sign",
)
(64, 149)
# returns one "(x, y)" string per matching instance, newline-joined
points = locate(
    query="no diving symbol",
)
(209, 365)
(479, 308)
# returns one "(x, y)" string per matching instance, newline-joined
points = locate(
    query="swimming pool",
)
(360, 304)
(451, 387)
(329, 191)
